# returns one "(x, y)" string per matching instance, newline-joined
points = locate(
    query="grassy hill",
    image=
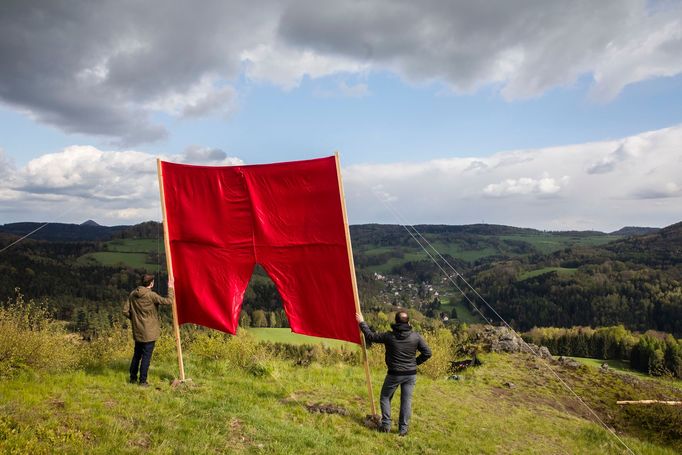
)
(247, 397)
(229, 410)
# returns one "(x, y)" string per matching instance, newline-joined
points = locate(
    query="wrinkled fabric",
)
(287, 217)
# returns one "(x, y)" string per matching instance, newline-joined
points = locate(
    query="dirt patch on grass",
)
(326, 409)
(56, 403)
(143, 441)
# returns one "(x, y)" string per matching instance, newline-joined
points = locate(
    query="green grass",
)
(125, 252)
(548, 242)
(463, 313)
(135, 245)
(533, 273)
(617, 365)
(227, 410)
(279, 335)
(544, 243)
(134, 260)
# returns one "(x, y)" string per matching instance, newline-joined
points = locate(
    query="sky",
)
(550, 115)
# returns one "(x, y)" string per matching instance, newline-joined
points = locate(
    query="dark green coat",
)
(142, 310)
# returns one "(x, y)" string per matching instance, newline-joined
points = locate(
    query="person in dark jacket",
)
(142, 310)
(402, 345)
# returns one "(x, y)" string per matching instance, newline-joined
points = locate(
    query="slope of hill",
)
(635, 230)
(635, 281)
(661, 248)
(511, 404)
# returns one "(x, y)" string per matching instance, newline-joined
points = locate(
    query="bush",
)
(116, 344)
(305, 354)
(441, 343)
(30, 338)
(235, 351)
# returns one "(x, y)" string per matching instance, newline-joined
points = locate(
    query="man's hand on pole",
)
(359, 318)
(171, 283)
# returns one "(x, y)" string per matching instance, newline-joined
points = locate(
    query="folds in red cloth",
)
(287, 217)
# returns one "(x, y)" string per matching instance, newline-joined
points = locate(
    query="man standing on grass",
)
(402, 345)
(142, 310)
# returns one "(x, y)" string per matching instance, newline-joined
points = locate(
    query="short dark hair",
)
(402, 316)
(147, 279)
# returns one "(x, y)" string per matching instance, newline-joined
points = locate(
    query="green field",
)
(563, 271)
(617, 365)
(126, 252)
(463, 313)
(135, 245)
(544, 243)
(548, 242)
(280, 335)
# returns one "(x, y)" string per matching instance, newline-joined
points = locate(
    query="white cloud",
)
(110, 186)
(286, 66)
(524, 185)
(550, 188)
(205, 97)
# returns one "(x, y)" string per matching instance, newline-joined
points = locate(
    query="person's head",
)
(147, 280)
(402, 317)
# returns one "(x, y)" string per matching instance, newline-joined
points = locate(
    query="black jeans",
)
(141, 359)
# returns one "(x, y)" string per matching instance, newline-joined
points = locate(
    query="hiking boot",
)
(132, 381)
(403, 433)
(384, 430)
(144, 384)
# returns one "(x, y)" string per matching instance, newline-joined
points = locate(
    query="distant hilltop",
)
(90, 223)
(635, 230)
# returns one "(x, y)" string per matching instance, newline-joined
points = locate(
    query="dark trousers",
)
(391, 383)
(141, 359)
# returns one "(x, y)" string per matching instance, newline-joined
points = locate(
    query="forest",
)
(586, 279)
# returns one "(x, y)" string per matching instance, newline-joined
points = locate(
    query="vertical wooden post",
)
(169, 267)
(356, 296)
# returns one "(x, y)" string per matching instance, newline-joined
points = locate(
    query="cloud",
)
(198, 154)
(524, 47)
(63, 65)
(659, 191)
(205, 97)
(550, 188)
(524, 185)
(627, 151)
(113, 187)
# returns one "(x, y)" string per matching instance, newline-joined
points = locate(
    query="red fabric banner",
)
(287, 217)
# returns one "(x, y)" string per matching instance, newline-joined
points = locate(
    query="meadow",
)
(127, 252)
(60, 394)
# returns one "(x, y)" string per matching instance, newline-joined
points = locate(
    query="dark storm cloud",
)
(96, 67)
(103, 68)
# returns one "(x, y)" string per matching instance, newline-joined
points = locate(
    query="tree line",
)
(652, 352)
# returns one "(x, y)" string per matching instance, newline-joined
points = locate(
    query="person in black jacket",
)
(402, 345)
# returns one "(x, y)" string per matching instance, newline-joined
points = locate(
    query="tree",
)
(258, 319)
(244, 319)
(272, 319)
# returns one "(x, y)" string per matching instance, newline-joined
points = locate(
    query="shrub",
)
(441, 343)
(30, 338)
(235, 351)
(115, 344)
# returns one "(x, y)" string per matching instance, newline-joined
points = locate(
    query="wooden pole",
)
(669, 403)
(169, 267)
(356, 296)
